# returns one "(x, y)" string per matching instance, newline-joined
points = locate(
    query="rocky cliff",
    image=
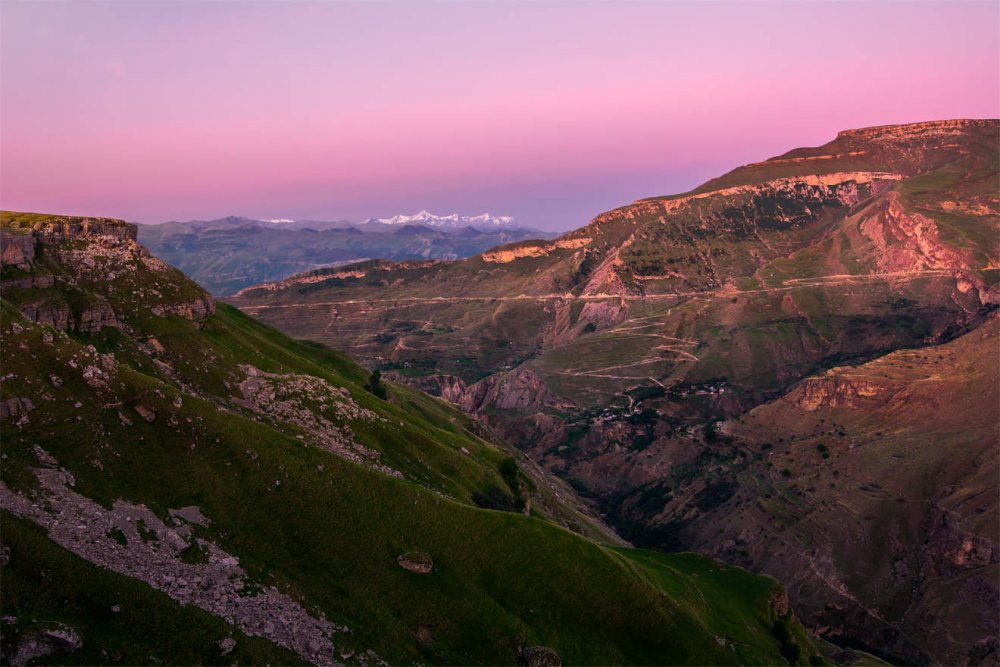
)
(54, 257)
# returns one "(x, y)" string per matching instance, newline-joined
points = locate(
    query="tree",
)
(376, 387)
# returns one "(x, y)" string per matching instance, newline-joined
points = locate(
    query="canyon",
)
(183, 484)
(741, 369)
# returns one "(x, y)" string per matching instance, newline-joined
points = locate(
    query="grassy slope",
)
(329, 534)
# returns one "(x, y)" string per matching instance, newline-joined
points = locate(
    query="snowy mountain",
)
(454, 220)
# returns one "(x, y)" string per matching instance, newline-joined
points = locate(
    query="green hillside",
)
(187, 446)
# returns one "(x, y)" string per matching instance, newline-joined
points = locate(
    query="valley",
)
(510, 334)
(183, 484)
(630, 356)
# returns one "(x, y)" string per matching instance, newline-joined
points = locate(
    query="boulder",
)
(416, 561)
(539, 656)
(16, 249)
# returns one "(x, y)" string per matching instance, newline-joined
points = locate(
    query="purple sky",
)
(549, 112)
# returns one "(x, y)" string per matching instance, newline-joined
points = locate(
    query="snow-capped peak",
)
(279, 221)
(453, 220)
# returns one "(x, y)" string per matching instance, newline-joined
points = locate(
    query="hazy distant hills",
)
(231, 253)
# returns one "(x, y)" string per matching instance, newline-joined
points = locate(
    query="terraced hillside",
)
(612, 354)
(182, 484)
(882, 226)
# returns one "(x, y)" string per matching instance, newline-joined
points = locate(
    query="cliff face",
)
(833, 390)
(17, 249)
(83, 274)
(911, 131)
(508, 253)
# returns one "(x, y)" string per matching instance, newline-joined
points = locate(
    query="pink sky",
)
(549, 112)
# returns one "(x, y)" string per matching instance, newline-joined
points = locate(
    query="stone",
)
(227, 645)
(15, 407)
(17, 249)
(155, 345)
(539, 656)
(423, 636)
(416, 561)
(45, 642)
(191, 514)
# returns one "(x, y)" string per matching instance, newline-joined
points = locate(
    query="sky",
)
(550, 112)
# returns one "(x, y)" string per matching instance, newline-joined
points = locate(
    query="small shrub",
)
(194, 554)
(375, 385)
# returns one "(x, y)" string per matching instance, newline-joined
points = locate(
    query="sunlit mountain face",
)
(724, 370)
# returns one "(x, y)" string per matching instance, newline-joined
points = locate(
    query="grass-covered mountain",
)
(182, 484)
(229, 254)
(618, 355)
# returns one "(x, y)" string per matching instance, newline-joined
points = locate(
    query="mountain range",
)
(791, 367)
(228, 254)
(482, 221)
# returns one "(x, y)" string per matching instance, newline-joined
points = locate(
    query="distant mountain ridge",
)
(424, 218)
(231, 253)
(454, 220)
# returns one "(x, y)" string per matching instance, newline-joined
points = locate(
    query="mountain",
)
(483, 221)
(231, 253)
(877, 482)
(182, 484)
(624, 355)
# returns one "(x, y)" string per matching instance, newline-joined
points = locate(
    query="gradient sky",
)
(552, 113)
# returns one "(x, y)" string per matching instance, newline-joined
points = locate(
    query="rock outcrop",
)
(539, 656)
(518, 389)
(291, 398)
(416, 561)
(16, 409)
(834, 389)
(196, 310)
(17, 248)
(91, 252)
(45, 642)
(509, 253)
(112, 539)
(916, 130)
(18, 241)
